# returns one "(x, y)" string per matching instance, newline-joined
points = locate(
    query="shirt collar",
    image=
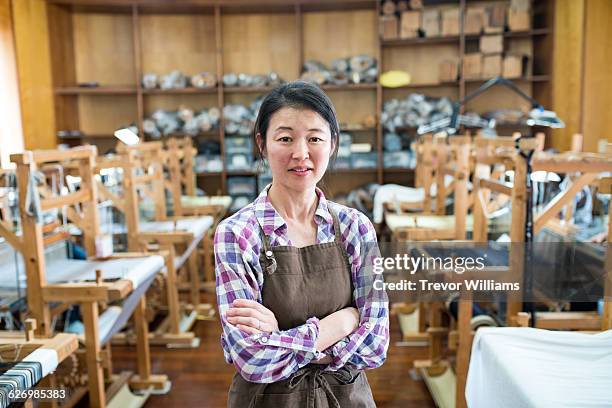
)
(271, 221)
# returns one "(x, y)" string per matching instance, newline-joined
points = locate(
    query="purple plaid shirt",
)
(271, 357)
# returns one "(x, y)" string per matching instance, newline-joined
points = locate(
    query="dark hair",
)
(297, 95)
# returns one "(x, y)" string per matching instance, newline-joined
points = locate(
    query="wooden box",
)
(448, 71)
(450, 22)
(474, 20)
(491, 44)
(495, 19)
(472, 66)
(513, 66)
(431, 23)
(491, 66)
(519, 20)
(410, 24)
(389, 29)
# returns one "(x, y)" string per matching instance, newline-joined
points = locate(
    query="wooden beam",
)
(80, 196)
(560, 200)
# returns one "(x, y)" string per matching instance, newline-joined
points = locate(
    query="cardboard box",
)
(523, 5)
(519, 20)
(448, 71)
(513, 66)
(450, 22)
(389, 27)
(430, 23)
(491, 66)
(472, 66)
(410, 24)
(495, 19)
(474, 20)
(492, 44)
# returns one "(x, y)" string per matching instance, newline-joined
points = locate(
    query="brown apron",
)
(300, 283)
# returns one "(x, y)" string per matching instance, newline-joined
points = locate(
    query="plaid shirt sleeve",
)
(367, 346)
(260, 358)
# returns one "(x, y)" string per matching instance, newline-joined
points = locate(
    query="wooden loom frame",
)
(40, 294)
(590, 166)
(178, 155)
(459, 148)
(174, 330)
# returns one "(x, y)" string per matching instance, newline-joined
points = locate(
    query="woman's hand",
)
(251, 317)
(336, 326)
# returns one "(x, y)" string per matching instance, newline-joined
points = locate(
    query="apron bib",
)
(300, 283)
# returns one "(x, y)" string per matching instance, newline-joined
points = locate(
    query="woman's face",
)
(298, 148)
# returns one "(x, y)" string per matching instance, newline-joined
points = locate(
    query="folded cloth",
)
(525, 367)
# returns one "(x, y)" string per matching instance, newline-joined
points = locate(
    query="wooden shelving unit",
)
(114, 43)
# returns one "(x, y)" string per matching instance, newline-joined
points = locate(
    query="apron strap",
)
(336, 225)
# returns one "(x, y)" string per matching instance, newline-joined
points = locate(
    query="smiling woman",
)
(295, 297)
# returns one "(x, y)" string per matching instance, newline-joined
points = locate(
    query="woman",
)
(300, 316)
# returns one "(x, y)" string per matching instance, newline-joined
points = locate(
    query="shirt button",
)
(264, 339)
(269, 253)
(368, 325)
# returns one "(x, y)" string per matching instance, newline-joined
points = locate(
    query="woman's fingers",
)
(252, 304)
(247, 321)
(245, 312)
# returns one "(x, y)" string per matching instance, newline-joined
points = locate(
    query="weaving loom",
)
(141, 170)
(54, 282)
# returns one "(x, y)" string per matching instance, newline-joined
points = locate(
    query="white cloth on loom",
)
(523, 367)
(195, 201)
(59, 270)
(46, 357)
(394, 193)
(195, 225)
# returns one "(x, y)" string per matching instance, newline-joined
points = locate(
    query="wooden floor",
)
(201, 378)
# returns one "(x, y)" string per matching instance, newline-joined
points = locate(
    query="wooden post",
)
(464, 349)
(194, 277)
(33, 254)
(93, 356)
(142, 341)
(91, 226)
(517, 236)
(462, 173)
(172, 291)
(174, 169)
(130, 196)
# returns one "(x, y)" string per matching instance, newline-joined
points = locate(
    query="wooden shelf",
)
(180, 91)
(424, 85)
(536, 78)
(350, 87)
(247, 89)
(420, 41)
(100, 90)
(232, 35)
